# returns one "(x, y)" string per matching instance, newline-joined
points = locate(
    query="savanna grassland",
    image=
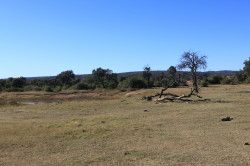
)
(112, 128)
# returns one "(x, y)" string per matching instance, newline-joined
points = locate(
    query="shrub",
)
(123, 85)
(157, 83)
(204, 83)
(64, 87)
(14, 89)
(136, 83)
(247, 80)
(48, 89)
(215, 80)
(230, 80)
(241, 76)
(246, 68)
(132, 83)
(81, 86)
(18, 83)
(32, 88)
(111, 81)
(174, 84)
(89, 80)
(58, 89)
(37, 88)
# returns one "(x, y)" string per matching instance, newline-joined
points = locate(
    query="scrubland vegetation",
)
(103, 119)
(106, 79)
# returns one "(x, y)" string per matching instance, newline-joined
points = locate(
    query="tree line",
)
(191, 62)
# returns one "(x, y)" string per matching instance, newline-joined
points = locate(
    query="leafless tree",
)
(194, 62)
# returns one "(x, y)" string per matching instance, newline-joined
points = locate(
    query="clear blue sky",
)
(45, 37)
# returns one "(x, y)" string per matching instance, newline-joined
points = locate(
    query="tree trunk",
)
(195, 83)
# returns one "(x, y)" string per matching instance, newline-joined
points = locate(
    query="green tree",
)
(157, 80)
(215, 79)
(99, 76)
(204, 82)
(2, 84)
(19, 82)
(246, 68)
(66, 77)
(171, 72)
(193, 62)
(136, 83)
(111, 81)
(241, 76)
(147, 75)
(105, 78)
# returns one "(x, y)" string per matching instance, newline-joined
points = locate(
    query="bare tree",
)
(192, 60)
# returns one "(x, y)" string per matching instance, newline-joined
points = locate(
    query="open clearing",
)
(112, 128)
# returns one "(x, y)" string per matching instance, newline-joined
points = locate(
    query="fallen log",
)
(174, 97)
(165, 99)
(163, 91)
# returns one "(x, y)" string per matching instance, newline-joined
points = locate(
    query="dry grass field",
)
(112, 128)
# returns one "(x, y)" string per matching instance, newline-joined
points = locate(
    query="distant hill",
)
(158, 72)
(221, 73)
(154, 73)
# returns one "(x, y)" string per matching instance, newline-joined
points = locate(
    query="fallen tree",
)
(164, 97)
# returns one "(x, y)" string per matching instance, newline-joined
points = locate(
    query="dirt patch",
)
(32, 98)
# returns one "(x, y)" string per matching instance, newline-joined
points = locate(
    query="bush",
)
(174, 84)
(215, 80)
(230, 80)
(132, 83)
(64, 87)
(58, 89)
(14, 89)
(247, 80)
(18, 83)
(204, 83)
(111, 81)
(157, 83)
(81, 86)
(136, 83)
(123, 85)
(246, 68)
(89, 80)
(241, 76)
(32, 88)
(48, 89)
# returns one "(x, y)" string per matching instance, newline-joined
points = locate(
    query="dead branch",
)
(163, 91)
(173, 97)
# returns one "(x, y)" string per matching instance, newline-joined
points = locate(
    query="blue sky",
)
(45, 37)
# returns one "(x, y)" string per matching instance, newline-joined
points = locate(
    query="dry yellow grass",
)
(113, 130)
